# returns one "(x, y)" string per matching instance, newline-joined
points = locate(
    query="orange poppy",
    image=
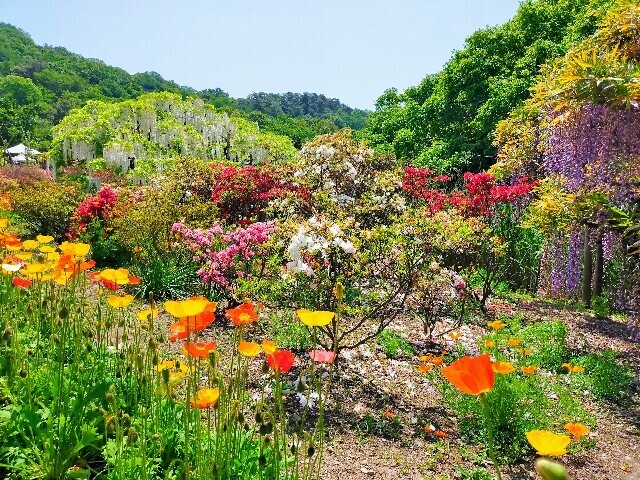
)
(269, 347)
(524, 351)
(471, 375)
(198, 349)
(503, 368)
(530, 370)
(242, 315)
(497, 324)
(205, 398)
(490, 343)
(281, 361)
(437, 360)
(441, 434)
(577, 430)
(389, 415)
(573, 368)
(426, 358)
(514, 342)
(455, 335)
(322, 356)
(424, 368)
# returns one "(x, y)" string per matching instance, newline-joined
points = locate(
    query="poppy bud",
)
(178, 364)
(154, 359)
(121, 322)
(111, 425)
(165, 375)
(550, 470)
(110, 397)
(301, 387)
(29, 352)
(132, 436)
(262, 461)
(214, 472)
(266, 429)
(293, 449)
(64, 313)
(265, 367)
(212, 359)
(29, 310)
(56, 339)
(125, 337)
(339, 291)
(152, 344)
(155, 437)
(44, 304)
(6, 335)
(240, 417)
(126, 420)
(23, 373)
(311, 451)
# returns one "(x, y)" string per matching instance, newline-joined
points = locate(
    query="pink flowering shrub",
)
(225, 257)
(93, 209)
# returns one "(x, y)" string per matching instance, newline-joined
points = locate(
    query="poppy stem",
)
(487, 417)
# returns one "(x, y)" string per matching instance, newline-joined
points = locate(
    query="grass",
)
(394, 345)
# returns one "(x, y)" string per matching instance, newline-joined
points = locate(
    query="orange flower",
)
(497, 324)
(573, 368)
(248, 349)
(530, 370)
(524, 351)
(389, 415)
(514, 342)
(205, 398)
(455, 335)
(198, 349)
(437, 360)
(182, 309)
(490, 343)
(426, 358)
(471, 375)
(242, 315)
(424, 368)
(577, 430)
(503, 368)
(322, 356)
(281, 361)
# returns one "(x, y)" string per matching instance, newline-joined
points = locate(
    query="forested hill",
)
(39, 85)
(447, 122)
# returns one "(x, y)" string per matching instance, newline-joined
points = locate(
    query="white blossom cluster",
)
(309, 239)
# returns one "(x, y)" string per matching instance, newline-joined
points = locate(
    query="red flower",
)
(21, 282)
(281, 361)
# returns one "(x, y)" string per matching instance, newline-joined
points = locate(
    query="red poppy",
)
(471, 375)
(133, 280)
(198, 349)
(242, 315)
(281, 361)
(322, 356)
(21, 282)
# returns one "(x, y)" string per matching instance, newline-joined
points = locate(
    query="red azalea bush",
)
(482, 191)
(98, 207)
(243, 193)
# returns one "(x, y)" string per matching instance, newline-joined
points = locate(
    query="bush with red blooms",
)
(243, 193)
(96, 208)
(480, 195)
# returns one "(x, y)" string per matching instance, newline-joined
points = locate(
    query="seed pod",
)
(165, 375)
(132, 436)
(293, 449)
(240, 417)
(259, 417)
(126, 420)
(63, 313)
(110, 427)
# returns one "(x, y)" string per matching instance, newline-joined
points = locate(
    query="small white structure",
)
(20, 154)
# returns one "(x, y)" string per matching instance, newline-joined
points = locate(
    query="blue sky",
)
(348, 49)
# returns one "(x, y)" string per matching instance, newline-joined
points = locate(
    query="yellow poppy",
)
(47, 249)
(29, 244)
(44, 238)
(186, 308)
(318, 318)
(145, 315)
(269, 347)
(248, 349)
(548, 443)
(117, 301)
(75, 249)
(23, 255)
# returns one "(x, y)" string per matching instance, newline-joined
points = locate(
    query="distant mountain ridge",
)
(61, 80)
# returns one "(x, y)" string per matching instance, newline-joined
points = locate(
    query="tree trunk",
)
(599, 267)
(587, 264)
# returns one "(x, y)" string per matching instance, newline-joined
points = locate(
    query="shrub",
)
(45, 207)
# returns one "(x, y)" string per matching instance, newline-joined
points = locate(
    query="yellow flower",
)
(186, 308)
(119, 276)
(168, 364)
(62, 277)
(47, 249)
(497, 324)
(145, 315)
(318, 318)
(36, 268)
(24, 255)
(269, 347)
(503, 368)
(117, 301)
(548, 443)
(29, 244)
(44, 239)
(514, 342)
(248, 349)
(4, 223)
(75, 249)
(53, 256)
